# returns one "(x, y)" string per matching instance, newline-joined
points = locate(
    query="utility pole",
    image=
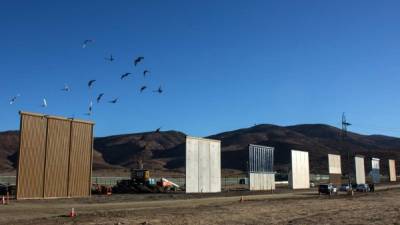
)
(345, 124)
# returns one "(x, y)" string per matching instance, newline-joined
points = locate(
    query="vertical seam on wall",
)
(209, 168)
(198, 167)
(91, 160)
(45, 156)
(19, 153)
(69, 158)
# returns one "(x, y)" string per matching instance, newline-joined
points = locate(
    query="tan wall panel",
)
(31, 157)
(360, 169)
(392, 170)
(334, 164)
(54, 159)
(80, 160)
(57, 157)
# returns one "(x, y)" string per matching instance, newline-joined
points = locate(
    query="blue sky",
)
(223, 64)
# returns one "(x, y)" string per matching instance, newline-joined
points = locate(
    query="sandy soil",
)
(301, 207)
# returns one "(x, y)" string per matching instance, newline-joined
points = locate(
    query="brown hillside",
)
(165, 151)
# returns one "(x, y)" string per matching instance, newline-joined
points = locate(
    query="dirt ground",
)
(300, 207)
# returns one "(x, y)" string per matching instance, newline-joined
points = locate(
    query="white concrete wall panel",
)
(360, 169)
(300, 171)
(392, 170)
(215, 166)
(192, 167)
(375, 163)
(262, 181)
(335, 166)
(203, 165)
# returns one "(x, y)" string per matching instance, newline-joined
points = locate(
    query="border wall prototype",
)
(261, 164)
(203, 165)
(55, 157)
(375, 171)
(360, 169)
(335, 169)
(392, 170)
(299, 177)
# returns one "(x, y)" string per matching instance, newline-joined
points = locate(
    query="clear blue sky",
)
(223, 64)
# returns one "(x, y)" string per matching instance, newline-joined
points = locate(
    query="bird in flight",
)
(111, 58)
(138, 60)
(90, 84)
(44, 103)
(145, 73)
(123, 76)
(114, 101)
(159, 90)
(13, 99)
(90, 109)
(142, 89)
(86, 42)
(66, 88)
(99, 97)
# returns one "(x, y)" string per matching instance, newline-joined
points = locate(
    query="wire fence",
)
(226, 182)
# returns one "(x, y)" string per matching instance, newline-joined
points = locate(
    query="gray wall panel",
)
(375, 171)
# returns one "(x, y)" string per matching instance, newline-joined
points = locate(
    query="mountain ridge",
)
(165, 151)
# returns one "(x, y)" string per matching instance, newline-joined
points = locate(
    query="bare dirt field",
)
(300, 207)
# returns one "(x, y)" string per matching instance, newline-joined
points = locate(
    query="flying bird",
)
(138, 60)
(90, 84)
(159, 90)
(13, 99)
(66, 88)
(123, 76)
(44, 103)
(142, 89)
(145, 73)
(90, 109)
(86, 42)
(99, 97)
(114, 101)
(111, 58)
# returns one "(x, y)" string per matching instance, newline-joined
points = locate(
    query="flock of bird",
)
(91, 83)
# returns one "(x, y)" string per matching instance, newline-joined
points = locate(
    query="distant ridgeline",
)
(165, 151)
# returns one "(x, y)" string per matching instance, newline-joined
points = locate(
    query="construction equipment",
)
(141, 182)
(140, 176)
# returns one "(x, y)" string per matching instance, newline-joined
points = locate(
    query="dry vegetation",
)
(281, 208)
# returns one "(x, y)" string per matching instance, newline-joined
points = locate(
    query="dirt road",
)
(302, 207)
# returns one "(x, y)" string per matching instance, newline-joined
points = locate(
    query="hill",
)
(164, 152)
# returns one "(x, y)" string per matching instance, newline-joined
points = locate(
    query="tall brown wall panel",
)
(31, 160)
(55, 157)
(80, 160)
